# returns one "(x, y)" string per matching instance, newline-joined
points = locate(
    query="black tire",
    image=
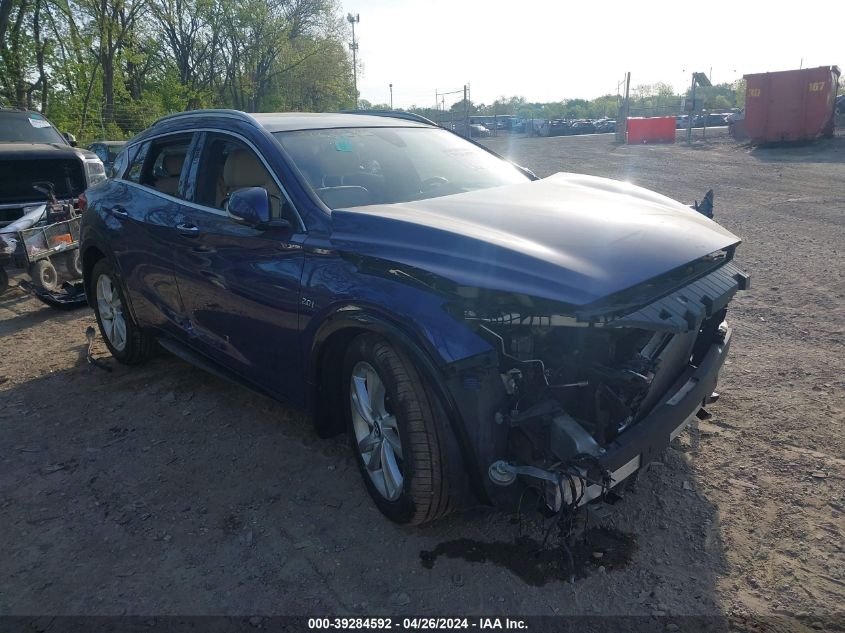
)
(44, 275)
(70, 264)
(4, 280)
(419, 419)
(138, 346)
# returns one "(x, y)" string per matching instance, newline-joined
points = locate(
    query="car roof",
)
(290, 121)
(110, 143)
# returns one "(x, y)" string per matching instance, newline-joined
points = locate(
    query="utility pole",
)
(691, 111)
(352, 19)
(391, 96)
(622, 115)
(466, 112)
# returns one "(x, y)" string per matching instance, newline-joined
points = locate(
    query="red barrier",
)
(659, 129)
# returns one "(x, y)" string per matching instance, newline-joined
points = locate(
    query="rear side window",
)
(119, 166)
(135, 158)
(157, 164)
(165, 161)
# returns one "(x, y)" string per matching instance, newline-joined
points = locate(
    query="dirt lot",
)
(163, 490)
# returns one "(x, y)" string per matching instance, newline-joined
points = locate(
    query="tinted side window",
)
(164, 162)
(136, 156)
(119, 166)
(228, 164)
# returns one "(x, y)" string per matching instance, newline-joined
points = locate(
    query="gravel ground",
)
(163, 490)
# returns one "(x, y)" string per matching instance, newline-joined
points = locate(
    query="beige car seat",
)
(243, 169)
(172, 164)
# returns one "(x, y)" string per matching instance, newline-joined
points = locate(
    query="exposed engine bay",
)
(574, 387)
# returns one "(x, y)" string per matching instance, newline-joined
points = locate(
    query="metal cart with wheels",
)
(49, 252)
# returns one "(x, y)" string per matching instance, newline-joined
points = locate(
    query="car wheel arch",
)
(90, 256)
(329, 345)
(328, 349)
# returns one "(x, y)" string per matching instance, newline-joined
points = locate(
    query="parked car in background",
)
(558, 127)
(840, 104)
(32, 150)
(711, 119)
(107, 151)
(605, 126)
(681, 121)
(478, 130)
(468, 325)
(582, 126)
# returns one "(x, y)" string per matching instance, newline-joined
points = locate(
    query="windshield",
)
(28, 127)
(352, 167)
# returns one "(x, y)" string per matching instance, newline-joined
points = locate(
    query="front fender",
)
(327, 349)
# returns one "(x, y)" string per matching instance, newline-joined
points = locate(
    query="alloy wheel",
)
(376, 431)
(110, 310)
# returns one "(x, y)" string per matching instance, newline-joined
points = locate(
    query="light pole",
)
(352, 19)
(391, 96)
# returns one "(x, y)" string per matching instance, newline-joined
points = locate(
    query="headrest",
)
(335, 162)
(173, 164)
(243, 169)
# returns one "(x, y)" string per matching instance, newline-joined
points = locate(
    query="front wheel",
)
(395, 434)
(126, 341)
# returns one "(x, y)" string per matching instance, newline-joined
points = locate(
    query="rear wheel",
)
(44, 275)
(126, 341)
(394, 432)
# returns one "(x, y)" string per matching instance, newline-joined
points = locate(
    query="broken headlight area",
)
(572, 388)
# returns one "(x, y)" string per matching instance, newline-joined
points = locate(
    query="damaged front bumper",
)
(636, 447)
(572, 406)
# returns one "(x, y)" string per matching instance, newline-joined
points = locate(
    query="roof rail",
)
(235, 114)
(395, 114)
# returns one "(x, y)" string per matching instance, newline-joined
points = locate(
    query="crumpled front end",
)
(582, 399)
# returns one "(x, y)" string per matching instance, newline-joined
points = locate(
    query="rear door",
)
(241, 286)
(144, 211)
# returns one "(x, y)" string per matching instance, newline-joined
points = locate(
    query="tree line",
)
(108, 68)
(645, 100)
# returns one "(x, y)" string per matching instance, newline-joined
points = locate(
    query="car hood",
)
(37, 151)
(569, 238)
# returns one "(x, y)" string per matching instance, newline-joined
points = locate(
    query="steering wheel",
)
(435, 182)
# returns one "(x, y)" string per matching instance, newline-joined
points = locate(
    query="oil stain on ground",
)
(527, 559)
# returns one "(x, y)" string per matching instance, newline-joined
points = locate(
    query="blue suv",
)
(477, 332)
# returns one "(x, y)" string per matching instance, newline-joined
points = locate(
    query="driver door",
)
(240, 286)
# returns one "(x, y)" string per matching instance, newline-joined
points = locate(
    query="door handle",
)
(188, 230)
(120, 212)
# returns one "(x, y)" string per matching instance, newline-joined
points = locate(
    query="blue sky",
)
(552, 50)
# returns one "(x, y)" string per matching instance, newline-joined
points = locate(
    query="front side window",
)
(228, 164)
(348, 167)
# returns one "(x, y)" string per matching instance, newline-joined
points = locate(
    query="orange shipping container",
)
(652, 130)
(791, 105)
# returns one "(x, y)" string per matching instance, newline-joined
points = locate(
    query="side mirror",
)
(70, 138)
(250, 206)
